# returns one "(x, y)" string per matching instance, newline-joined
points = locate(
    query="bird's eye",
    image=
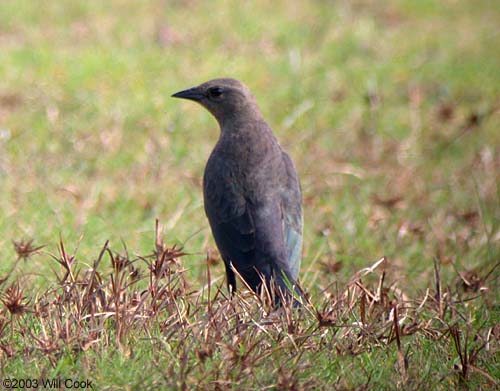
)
(215, 92)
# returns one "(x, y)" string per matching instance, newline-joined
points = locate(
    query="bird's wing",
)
(265, 237)
(292, 217)
(230, 219)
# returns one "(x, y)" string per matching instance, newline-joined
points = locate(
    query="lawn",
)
(391, 112)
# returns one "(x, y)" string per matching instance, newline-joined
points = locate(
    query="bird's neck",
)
(238, 117)
(247, 142)
(244, 127)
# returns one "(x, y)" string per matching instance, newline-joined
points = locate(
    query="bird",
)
(251, 191)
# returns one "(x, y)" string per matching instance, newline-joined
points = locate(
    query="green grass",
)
(392, 114)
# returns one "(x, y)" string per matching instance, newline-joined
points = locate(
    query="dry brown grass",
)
(203, 338)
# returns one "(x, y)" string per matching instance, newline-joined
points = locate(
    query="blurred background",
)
(389, 109)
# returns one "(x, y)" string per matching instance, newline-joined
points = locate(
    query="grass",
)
(391, 113)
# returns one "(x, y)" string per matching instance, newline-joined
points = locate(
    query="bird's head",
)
(226, 99)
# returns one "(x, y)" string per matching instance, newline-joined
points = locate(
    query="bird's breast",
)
(248, 160)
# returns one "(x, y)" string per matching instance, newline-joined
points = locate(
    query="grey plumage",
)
(251, 190)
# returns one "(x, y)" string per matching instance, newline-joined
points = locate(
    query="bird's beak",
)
(191, 94)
